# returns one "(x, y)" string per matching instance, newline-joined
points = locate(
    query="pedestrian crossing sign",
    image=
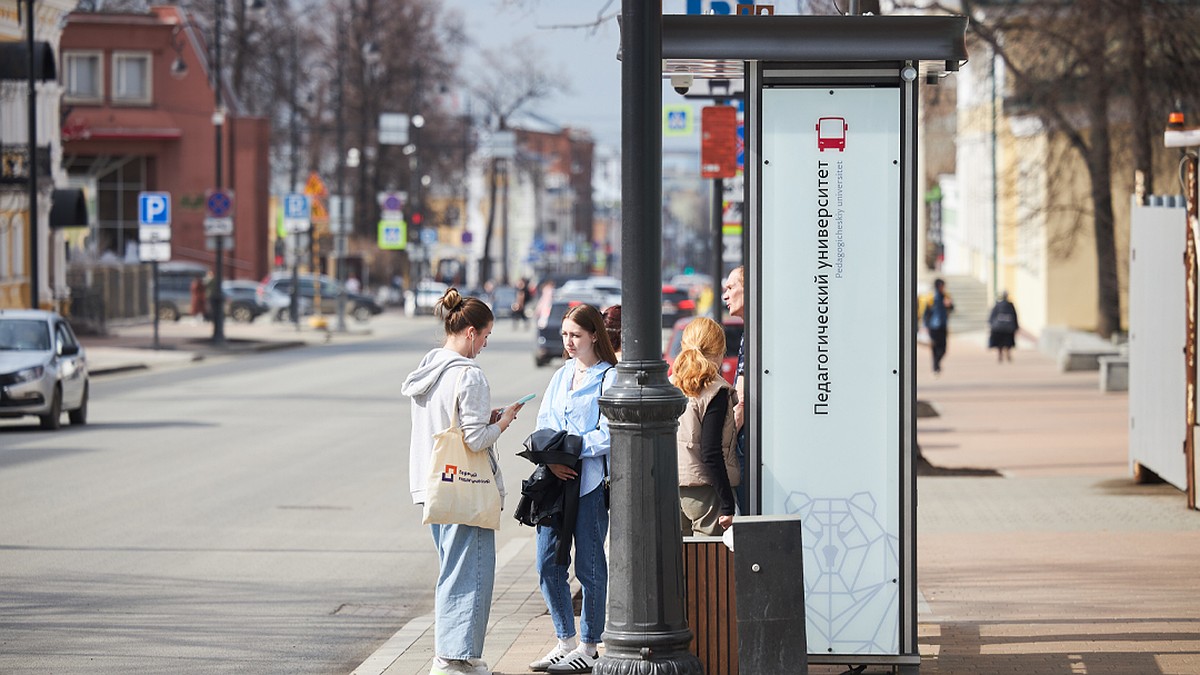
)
(393, 235)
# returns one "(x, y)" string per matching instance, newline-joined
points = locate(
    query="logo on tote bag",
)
(449, 473)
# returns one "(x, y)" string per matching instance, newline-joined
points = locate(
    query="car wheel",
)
(362, 313)
(53, 419)
(78, 416)
(541, 361)
(168, 312)
(241, 314)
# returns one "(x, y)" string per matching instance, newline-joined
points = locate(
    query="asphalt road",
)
(246, 515)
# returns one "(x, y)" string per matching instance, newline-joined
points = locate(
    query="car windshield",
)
(24, 335)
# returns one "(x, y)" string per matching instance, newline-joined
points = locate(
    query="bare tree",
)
(517, 78)
(1077, 66)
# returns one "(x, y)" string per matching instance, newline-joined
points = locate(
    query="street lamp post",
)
(647, 630)
(218, 299)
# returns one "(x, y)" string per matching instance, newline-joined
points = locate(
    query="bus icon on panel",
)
(831, 133)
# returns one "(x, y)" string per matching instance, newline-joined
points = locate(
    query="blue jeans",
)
(463, 602)
(591, 568)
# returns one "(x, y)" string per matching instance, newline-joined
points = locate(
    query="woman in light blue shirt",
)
(572, 404)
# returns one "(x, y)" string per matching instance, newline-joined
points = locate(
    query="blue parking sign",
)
(154, 208)
(295, 205)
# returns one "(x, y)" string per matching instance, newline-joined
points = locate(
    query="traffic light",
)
(417, 218)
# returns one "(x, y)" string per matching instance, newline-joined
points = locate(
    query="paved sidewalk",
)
(132, 347)
(1040, 556)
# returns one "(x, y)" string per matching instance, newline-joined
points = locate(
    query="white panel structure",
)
(831, 351)
(1157, 334)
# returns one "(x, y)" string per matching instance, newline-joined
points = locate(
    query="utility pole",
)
(32, 164)
(218, 295)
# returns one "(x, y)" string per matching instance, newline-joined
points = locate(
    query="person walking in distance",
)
(1003, 327)
(936, 318)
(733, 294)
(449, 384)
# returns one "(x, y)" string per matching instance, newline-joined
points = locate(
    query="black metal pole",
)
(32, 166)
(339, 235)
(294, 178)
(718, 244)
(218, 300)
(154, 271)
(647, 630)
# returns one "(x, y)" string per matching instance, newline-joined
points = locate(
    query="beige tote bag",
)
(461, 488)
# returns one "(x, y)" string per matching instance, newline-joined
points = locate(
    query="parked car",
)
(549, 339)
(361, 307)
(424, 297)
(242, 303)
(607, 290)
(43, 368)
(733, 337)
(175, 288)
(502, 301)
(676, 304)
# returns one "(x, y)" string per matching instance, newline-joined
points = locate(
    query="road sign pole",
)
(154, 272)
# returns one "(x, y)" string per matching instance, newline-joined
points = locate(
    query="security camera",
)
(682, 82)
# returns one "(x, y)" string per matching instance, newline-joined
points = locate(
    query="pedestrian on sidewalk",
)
(447, 384)
(199, 299)
(733, 294)
(572, 404)
(936, 317)
(705, 440)
(520, 304)
(612, 324)
(1003, 327)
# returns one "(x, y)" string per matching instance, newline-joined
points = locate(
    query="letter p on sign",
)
(154, 208)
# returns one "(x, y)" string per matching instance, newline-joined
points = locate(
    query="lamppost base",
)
(646, 661)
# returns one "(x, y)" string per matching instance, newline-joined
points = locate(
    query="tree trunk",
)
(1143, 151)
(485, 265)
(1099, 166)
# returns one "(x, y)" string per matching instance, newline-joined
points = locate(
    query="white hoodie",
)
(432, 389)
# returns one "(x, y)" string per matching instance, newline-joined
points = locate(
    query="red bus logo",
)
(831, 133)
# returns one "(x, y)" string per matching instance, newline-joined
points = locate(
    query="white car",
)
(43, 368)
(424, 298)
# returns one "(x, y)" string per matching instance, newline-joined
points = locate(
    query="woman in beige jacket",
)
(708, 468)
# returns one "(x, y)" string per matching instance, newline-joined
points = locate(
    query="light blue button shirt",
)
(577, 411)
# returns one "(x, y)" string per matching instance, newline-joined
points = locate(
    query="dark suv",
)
(361, 307)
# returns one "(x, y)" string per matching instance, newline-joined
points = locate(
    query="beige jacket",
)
(692, 471)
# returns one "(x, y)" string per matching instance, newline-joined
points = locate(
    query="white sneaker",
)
(552, 657)
(578, 661)
(459, 667)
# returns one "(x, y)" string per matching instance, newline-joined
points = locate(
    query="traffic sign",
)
(218, 226)
(152, 233)
(159, 251)
(393, 235)
(219, 203)
(154, 208)
(297, 213)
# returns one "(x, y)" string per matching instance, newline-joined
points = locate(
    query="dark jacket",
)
(546, 500)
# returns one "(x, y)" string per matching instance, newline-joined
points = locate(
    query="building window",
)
(84, 73)
(131, 78)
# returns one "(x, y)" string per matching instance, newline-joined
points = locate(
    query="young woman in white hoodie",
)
(449, 378)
